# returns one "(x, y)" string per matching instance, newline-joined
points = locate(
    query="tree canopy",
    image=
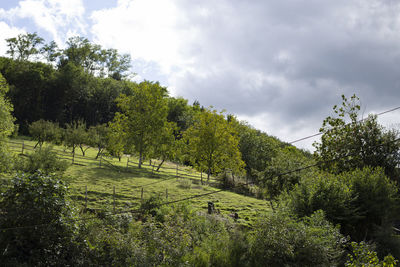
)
(213, 144)
(358, 143)
(143, 117)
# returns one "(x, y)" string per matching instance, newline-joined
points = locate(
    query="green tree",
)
(98, 137)
(213, 144)
(359, 143)
(51, 51)
(277, 176)
(116, 137)
(257, 148)
(45, 131)
(76, 136)
(166, 148)
(143, 117)
(24, 46)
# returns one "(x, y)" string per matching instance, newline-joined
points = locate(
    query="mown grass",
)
(101, 177)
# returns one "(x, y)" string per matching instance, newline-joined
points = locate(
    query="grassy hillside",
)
(102, 176)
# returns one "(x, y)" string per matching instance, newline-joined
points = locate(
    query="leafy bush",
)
(363, 255)
(364, 202)
(185, 184)
(45, 160)
(324, 192)
(35, 216)
(281, 240)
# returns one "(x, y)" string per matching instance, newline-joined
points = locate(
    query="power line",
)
(320, 133)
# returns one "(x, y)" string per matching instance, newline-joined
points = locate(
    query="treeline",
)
(88, 84)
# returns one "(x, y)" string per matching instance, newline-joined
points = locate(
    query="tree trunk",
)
(83, 150)
(159, 165)
(208, 174)
(99, 152)
(140, 160)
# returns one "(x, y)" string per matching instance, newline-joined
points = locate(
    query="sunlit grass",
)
(102, 176)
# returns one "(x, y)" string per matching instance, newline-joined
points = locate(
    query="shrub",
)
(185, 184)
(35, 216)
(364, 202)
(281, 240)
(45, 160)
(363, 255)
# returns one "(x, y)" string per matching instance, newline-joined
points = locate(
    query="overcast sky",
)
(280, 65)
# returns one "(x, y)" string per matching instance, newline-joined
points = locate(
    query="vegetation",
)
(213, 144)
(106, 211)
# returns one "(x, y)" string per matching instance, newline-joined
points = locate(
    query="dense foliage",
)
(358, 143)
(35, 222)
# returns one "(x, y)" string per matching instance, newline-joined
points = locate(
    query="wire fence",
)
(162, 172)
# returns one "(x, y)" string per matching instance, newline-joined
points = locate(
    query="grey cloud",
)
(319, 49)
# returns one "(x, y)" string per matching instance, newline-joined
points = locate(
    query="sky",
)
(279, 65)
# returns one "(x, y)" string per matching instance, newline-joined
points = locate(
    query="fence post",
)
(114, 198)
(73, 157)
(127, 162)
(101, 156)
(177, 171)
(85, 197)
(23, 146)
(166, 193)
(141, 197)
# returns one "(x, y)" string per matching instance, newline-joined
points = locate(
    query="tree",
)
(256, 147)
(166, 147)
(143, 117)
(44, 131)
(24, 46)
(51, 51)
(6, 124)
(276, 177)
(98, 137)
(213, 144)
(76, 136)
(116, 137)
(359, 143)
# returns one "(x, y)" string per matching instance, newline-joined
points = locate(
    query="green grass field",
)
(102, 177)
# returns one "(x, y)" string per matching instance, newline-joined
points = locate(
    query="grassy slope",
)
(128, 183)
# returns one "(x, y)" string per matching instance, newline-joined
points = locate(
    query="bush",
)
(185, 184)
(364, 202)
(281, 240)
(35, 216)
(45, 160)
(363, 255)
(324, 192)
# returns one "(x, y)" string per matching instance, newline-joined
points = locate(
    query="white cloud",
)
(149, 30)
(58, 17)
(7, 32)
